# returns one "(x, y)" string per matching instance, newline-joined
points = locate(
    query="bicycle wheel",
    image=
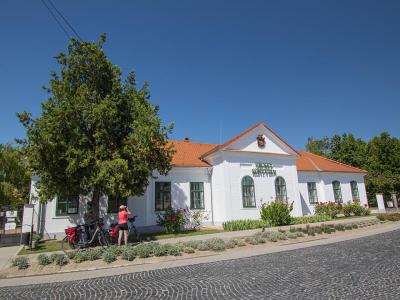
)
(66, 245)
(136, 237)
(103, 239)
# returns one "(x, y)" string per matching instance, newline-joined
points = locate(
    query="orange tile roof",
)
(312, 162)
(188, 154)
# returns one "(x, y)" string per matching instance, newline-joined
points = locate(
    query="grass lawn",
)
(48, 246)
(162, 235)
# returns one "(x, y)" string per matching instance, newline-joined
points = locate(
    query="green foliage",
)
(311, 219)
(109, 256)
(94, 254)
(171, 249)
(196, 218)
(291, 235)
(192, 244)
(71, 254)
(276, 213)
(80, 256)
(216, 244)
(61, 260)
(128, 253)
(203, 246)
(44, 260)
(189, 250)
(251, 240)
(54, 256)
(380, 156)
(355, 208)
(330, 209)
(15, 177)
(172, 220)
(388, 216)
(97, 133)
(21, 262)
(236, 225)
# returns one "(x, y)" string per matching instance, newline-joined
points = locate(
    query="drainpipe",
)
(210, 170)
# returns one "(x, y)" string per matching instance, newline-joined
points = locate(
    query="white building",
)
(230, 181)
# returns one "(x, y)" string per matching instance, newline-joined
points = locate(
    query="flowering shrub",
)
(355, 208)
(331, 209)
(276, 213)
(172, 220)
(195, 218)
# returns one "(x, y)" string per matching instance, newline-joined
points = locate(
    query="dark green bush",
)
(21, 262)
(44, 259)
(311, 219)
(276, 213)
(61, 260)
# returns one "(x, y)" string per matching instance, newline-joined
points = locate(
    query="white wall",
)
(239, 164)
(325, 189)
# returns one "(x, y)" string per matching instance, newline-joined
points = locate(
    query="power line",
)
(65, 19)
(55, 18)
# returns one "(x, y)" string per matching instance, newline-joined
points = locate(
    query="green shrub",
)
(189, 250)
(237, 225)
(146, 249)
(340, 227)
(229, 244)
(61, 260)
(348, 227)
(109, 256)
(292, 229)
(240, 243)
(115, 249)
(21, 262)
(203, 246)
(216, 244)
(299, 234)
(354, 225)
(311, 219)
(192, 244)
(128, 254)
(318, 230)
(94, 254)
(80, 256)
(311, 231)
(274, 236)
(331, 209)
(251, 240)
(173, 220)
(53, 257)
(172, 249)
(44, 260)
(276, 213)
(160, 251)
(389, 216)
(291, 235)
(71, 254)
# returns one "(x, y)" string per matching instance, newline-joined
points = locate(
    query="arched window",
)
(280, 189)
(337, 191)
(354, 191)
(248, 194)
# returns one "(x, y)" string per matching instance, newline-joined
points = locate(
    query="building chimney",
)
(186, 139)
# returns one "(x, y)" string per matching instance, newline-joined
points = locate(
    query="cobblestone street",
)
(366, 268)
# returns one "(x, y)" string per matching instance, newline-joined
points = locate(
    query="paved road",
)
(366, 268)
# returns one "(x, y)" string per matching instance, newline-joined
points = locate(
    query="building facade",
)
(229, 181)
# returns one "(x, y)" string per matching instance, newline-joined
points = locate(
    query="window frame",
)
(311, 199)
(200, 194)
(159, 184)
(248, 201)
(283, 197)
(354, 184)
(68, 201)
(337, 189)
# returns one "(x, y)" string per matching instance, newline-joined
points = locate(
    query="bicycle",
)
(80, 237)
(133, 234)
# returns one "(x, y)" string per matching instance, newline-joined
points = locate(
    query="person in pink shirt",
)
(123, 224)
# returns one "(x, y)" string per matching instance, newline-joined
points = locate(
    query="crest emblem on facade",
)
(260, 141)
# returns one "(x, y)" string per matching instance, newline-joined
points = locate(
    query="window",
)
(280, 189)
(312, 192)
(337, 192)
(163, 195)
(248, 194)
(113, 204)
(196, 195)
(354, 191)
(67, 205)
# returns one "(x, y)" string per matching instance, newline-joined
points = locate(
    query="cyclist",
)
(123, 224)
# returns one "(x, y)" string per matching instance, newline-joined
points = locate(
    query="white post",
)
(394, 199)
(381, 204)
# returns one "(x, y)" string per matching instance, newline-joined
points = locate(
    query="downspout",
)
(210, 170)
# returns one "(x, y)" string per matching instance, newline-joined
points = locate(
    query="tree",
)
(380, 157)
(96, 135)
(14, 177)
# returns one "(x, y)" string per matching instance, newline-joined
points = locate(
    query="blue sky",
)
(306, 68)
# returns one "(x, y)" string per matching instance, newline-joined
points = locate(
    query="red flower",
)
(173, 218)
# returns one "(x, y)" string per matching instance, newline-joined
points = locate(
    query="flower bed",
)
(73, 259)
(388, 216)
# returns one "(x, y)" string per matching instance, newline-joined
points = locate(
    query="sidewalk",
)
(213, 257)
(7, 254)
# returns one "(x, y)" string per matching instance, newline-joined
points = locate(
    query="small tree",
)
(14, 177)
(96, 135)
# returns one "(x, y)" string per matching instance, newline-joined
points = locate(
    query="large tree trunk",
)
(96, 204)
